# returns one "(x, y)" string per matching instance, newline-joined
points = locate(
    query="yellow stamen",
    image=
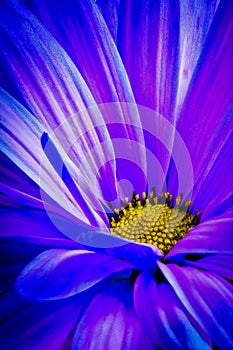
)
(155, 220)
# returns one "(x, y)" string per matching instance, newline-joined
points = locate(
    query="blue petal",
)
(110, 12)
(46, 81)
(16, 252)
(163, 316)
(102, 69)
(219, 264)
(148, 32)
(214, 192)
(57, 273)
(208, 108)
(36, 67)
(28, 222)
(110, 322)
(47, 325)
(13, 177)
(58, 164)
(207, 297)
(165, 42)
(92, 49)
(211, 237)
(20, 136)
(141, 256)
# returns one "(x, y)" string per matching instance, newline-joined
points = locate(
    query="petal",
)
(208, 109)
(57, 274)
(58, 164)
(10, 195)
(215, 192)
(11, 198)
(20, 136)
(219, 264)
(110, 322)
(36, 67)
(129, 158)
(28, 223)
(40, 325)
(213, 236)
(20, 140)
(149, 32)
(195, 20)
(52, 104)
(16, 252)
(207, 297)
(166, 56)
(33, 325)
(51, 87)
(13, 177)
(141, 256)
(163, 316)
(110, 12)
(93, 49)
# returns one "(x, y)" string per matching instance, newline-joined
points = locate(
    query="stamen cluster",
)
(154, 220)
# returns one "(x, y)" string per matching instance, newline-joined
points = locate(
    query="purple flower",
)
(80, 84)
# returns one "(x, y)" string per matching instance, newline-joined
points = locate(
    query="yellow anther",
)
(178, 200)
(188, 204)
(147, 221)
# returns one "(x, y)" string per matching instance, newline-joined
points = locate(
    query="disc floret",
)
(152, 219)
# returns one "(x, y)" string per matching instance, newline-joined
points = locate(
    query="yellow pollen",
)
(154, 220)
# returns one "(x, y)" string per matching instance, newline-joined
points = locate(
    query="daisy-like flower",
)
(116, 137)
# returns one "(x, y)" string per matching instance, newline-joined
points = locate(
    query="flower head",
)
(116, 153)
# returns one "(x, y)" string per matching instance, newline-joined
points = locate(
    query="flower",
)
(72, 79)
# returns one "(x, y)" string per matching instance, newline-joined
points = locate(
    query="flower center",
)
(154, 220)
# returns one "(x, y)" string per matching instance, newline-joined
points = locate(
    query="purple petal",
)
(12, 176)
(208, 110)
(20, 140)
(28, 223)
(20, 137)
(36, 67)
(215, 193)
(38, 326)
(59, 166)
(53, 89)
(195, 21)
(140, 255)
(101, 67)
(157, 36)
(219, 264)
(207, 297)
(213, 236)
(57, 273)
(152, 42)
(110, 12)
(16, 252)
(13, 198)
(163, 316)
(110, 322)
(129, 159)
(81, 30)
